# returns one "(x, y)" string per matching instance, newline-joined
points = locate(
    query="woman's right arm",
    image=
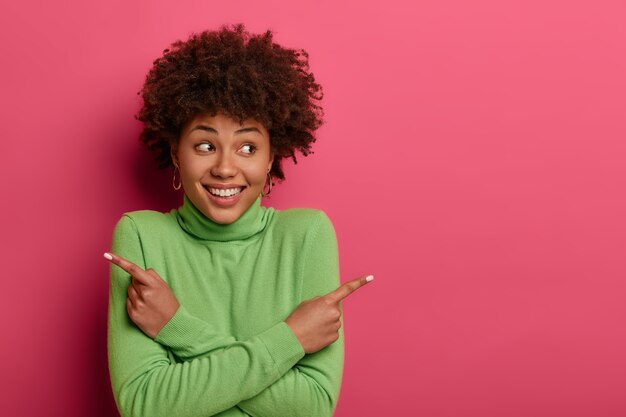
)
(147, 383)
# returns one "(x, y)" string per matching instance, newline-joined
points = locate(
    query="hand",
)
(150, 302)
(316, 322)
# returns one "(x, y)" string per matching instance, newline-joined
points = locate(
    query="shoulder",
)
(143, 221)
(146, 216)
(308, 223)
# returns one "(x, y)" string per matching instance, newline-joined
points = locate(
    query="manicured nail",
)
(108, 256)
(369, 278)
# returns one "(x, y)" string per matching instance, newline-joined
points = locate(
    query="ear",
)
(173, 155)
(269, 165)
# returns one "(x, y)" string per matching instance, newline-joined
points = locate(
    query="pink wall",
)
(473, 160)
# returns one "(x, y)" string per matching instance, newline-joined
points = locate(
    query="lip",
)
(223, 186)
(224, 201)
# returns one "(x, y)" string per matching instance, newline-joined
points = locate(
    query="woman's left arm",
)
(311, 387)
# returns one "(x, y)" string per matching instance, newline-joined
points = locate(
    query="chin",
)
(225, 219)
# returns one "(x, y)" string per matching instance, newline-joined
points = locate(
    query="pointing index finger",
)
(348, 288)
(135, 271)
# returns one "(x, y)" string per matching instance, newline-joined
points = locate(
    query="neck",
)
(251, 222)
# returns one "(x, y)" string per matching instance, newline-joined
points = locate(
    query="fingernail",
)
(108, 256)
(369, 278)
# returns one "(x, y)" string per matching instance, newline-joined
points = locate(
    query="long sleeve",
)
(147, 381)
(189, 337)
(312, 386)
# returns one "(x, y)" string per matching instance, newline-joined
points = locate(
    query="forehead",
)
(222, 124)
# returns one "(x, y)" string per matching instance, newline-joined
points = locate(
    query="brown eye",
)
(248, 148)
(204, 147)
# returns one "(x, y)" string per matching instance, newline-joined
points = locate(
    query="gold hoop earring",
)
(269, 176)
(180, 183)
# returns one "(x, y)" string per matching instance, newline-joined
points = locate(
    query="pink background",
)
(473, 160)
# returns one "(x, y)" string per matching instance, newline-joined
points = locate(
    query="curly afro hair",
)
(232, 72)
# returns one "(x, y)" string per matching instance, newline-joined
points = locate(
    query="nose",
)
(224, 166)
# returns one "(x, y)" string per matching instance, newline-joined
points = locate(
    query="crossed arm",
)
(309, 388)
(265, 375)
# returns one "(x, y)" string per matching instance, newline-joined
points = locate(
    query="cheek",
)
(259, 175)
(191, 169)
(257, 172)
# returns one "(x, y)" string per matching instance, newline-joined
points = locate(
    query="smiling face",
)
(223, 164)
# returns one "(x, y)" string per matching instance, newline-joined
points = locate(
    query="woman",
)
(222, 306)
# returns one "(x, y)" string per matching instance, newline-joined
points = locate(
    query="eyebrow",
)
(211, 130)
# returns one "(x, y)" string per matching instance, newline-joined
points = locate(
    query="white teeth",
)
(225, 192)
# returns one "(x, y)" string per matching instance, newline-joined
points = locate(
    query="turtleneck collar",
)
(251, 222)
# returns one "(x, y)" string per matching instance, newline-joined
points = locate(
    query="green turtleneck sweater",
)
(227, 351)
